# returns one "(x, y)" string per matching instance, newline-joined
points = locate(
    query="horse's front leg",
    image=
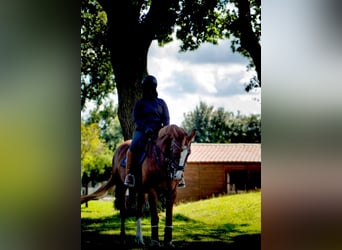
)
(170, 200)
(153, 200)
(139, 215)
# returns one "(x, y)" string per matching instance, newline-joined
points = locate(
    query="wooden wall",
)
(205, 180)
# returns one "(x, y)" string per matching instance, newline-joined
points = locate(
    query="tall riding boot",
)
(129, 179)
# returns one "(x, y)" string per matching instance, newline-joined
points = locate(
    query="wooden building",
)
(214, 169)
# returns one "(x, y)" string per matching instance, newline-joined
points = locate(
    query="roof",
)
(225, 152)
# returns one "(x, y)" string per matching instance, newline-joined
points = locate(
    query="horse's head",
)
(176, 145)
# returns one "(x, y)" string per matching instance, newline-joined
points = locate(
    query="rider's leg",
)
(131, 158)
(129, 179)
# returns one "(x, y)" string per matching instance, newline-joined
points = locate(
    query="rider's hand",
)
(149, 131)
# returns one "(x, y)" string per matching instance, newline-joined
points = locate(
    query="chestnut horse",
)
(161, 169)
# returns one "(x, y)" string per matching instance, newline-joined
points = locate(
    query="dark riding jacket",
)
(150, 113)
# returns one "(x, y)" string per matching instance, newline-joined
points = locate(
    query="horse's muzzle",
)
(178, 175)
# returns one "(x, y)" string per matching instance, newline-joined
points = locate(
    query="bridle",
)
(175, 165)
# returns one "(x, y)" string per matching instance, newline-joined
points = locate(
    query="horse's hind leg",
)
(139, 214)
(120, 200)
(153, 199)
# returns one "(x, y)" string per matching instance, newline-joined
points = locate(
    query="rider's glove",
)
(149, 131)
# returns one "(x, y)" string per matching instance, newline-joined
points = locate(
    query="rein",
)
(171, 167)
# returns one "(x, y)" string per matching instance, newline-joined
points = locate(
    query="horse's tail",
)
(116, 176)
(100, 191)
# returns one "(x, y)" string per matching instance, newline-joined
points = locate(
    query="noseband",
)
(175, 170)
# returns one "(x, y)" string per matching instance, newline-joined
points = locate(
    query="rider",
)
(150, 114)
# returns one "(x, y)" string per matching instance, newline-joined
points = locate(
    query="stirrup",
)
(127, 183)
(181, 184)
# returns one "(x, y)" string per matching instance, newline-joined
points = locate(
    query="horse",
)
(161, 169)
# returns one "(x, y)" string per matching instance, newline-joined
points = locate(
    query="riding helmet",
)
(149, 81)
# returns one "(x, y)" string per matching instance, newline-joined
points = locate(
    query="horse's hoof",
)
(123, 239)
(169, 244)
(140, 243)
(154, 243)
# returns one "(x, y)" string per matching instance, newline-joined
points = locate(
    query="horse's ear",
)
(192, 135)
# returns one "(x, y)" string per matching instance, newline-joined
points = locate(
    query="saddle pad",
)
(123, 162)
(141, 159)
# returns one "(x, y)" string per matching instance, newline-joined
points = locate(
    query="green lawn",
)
(233, 221)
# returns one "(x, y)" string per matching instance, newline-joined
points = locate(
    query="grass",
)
(229, 220)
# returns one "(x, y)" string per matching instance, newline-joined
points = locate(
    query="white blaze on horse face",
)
(183, 156)
(178, 175)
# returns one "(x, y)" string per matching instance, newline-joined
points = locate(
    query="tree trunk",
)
(86, 193)
(248, 39)
(129, 68)
(128, 45)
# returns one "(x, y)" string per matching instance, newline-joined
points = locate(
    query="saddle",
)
(142, 151)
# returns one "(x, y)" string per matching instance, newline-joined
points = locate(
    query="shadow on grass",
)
(191, 234)
(100, 224)
(95, 241)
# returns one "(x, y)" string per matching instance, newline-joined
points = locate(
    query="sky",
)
(212, 74)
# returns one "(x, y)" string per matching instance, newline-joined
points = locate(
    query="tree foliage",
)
(95, 155)
(219, 126)
(97, 79)
(131, 26)
(105, 116)
(237, 20)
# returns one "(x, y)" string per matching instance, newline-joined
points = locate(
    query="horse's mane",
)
(170, 132)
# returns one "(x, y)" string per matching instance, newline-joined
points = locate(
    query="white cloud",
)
(212, 74)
